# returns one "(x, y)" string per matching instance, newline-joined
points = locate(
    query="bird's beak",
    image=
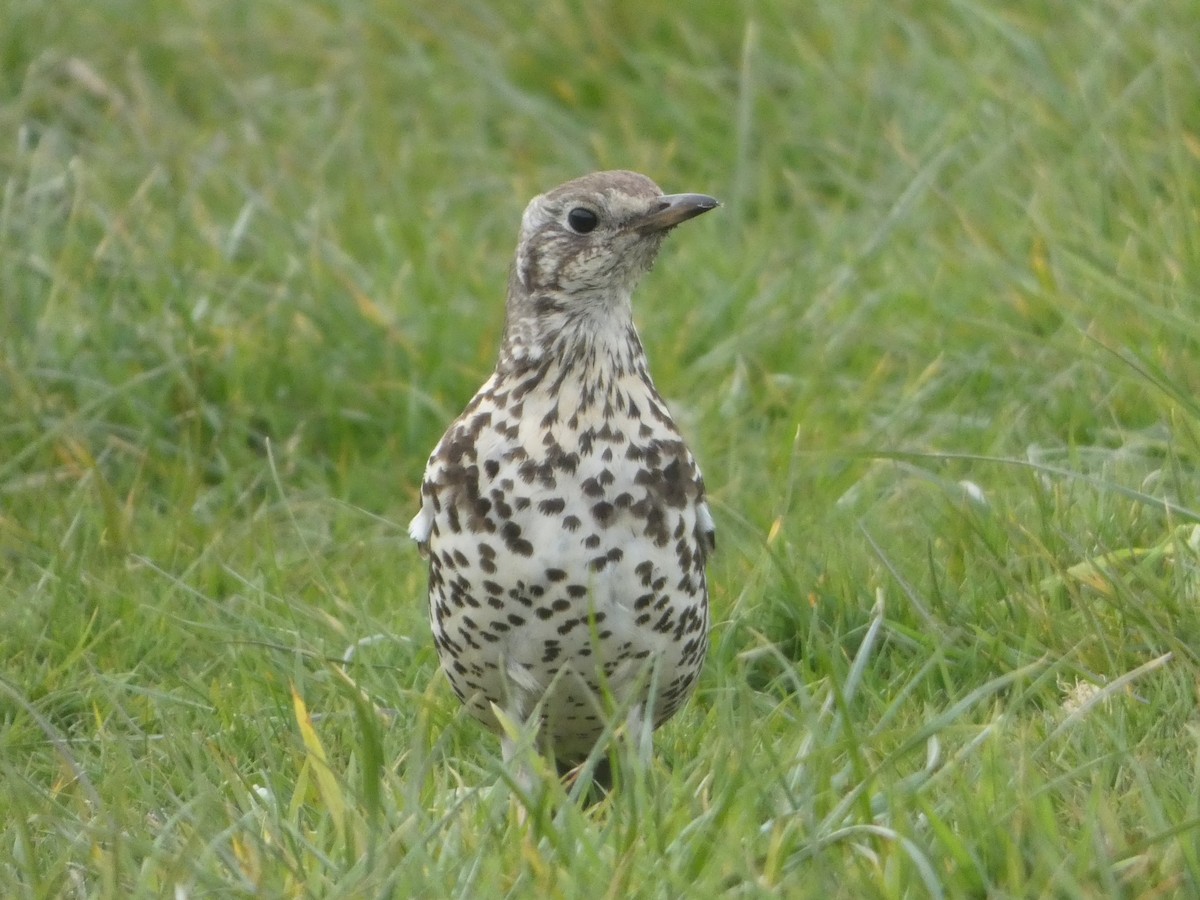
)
(671, 209)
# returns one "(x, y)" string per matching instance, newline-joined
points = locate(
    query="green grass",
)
(938, 353)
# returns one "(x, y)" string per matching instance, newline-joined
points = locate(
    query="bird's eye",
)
(582, 220)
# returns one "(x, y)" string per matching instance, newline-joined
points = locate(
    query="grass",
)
(938, 354)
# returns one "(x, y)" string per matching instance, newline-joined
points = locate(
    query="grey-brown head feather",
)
(565, 282)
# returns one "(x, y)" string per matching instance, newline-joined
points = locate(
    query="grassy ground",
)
(938, 354)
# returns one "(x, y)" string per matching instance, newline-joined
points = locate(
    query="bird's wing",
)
(706, 528)
(421, 526)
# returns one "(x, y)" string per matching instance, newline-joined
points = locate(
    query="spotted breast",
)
(564, 518)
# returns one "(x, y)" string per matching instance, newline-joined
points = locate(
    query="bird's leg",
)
(518, 725)
(517, 752)
(640, 730)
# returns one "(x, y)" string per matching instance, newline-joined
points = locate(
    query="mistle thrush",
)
(564, 518)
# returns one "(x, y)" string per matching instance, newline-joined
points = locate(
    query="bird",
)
(564, 519)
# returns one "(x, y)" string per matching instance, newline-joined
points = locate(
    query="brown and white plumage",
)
(564, 518)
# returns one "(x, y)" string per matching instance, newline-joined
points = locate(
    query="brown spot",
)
(604, 512)
(526, 386)
(511, 532)
(556, 458)
(478, 423)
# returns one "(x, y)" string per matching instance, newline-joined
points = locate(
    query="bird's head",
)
(582, 249)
